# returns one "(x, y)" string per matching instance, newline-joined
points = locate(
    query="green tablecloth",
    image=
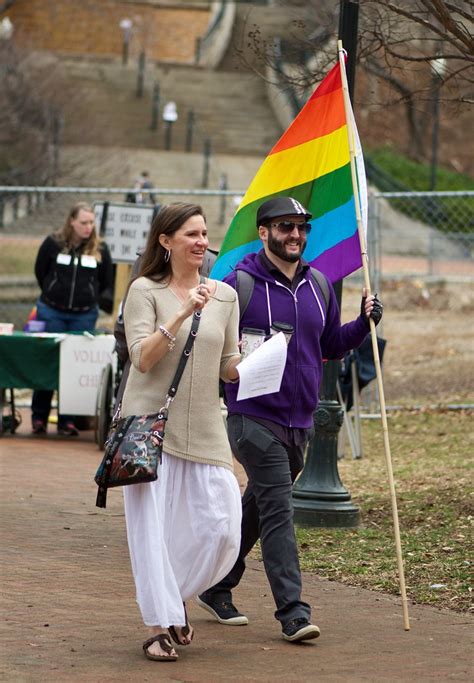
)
(28, 361)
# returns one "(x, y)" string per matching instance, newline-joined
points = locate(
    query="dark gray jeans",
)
(267, 513)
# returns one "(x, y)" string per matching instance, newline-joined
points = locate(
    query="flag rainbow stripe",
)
(310, 162)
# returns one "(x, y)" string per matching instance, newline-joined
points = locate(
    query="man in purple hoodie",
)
(269, 433)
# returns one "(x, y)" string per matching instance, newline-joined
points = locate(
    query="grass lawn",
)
(416, 175)
(18, 255)
(432, 461)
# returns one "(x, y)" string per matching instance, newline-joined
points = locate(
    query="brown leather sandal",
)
(185, 630)
(165, 643)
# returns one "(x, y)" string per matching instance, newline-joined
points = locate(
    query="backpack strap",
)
(322, 284)
(244, 285)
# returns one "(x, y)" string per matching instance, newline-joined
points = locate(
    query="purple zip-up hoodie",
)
(318, 334)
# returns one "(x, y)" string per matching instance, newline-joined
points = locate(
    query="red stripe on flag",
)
(318, 117)
(333, 81)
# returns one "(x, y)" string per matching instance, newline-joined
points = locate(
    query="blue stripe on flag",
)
(226, 262)
(330, 229)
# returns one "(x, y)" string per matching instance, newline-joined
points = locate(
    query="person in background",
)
(183, 530)
(146, 184)
(268, 434)
(143, 182)
(73, 268)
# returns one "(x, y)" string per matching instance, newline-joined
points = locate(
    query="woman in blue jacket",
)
(73, 268)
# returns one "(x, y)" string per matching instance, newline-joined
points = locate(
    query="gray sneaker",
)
(222, 610)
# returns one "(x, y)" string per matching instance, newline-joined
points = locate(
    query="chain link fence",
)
(422, 235)
(28, 214)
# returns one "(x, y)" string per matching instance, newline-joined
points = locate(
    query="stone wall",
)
(166, 31)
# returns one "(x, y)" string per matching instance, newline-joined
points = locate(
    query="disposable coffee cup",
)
(252, 338)
(286, 328)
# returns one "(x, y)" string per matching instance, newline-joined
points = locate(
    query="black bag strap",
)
(184, 357)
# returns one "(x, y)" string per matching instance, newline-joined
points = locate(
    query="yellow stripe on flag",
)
(298, 165)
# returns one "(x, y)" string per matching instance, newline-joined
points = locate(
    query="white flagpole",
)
(365, 266)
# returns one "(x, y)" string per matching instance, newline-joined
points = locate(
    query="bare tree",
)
(401, 36)
(30, 119)
(398, 43)
(406, 37)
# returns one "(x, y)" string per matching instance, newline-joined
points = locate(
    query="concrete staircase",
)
(229, 108)
(230, 104)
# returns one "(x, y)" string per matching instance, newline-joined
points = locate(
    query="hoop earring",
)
(167, 255)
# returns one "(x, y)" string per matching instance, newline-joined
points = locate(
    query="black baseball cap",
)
(280, 206)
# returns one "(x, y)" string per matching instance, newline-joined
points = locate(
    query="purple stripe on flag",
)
(343, 258)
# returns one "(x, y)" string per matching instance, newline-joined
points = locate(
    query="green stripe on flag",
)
(318, 196)
(330, 191)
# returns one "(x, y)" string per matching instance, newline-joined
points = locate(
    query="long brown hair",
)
(65, 235)
(167, 221)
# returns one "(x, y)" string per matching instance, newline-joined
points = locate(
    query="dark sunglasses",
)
(286, 227)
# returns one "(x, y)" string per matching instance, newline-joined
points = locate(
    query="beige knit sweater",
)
(195, 429)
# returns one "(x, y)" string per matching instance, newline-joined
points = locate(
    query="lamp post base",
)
(319, 497)
(320, 513)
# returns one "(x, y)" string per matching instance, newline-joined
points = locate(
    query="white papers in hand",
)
(262, 371)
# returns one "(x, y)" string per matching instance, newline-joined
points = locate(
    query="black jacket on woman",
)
(71, 280)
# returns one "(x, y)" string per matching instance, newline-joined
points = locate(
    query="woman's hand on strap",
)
(196, 299)
(157, 345)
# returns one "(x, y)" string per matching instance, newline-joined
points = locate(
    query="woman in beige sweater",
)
(184, 529)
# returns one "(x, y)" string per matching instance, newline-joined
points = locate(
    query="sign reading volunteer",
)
(81, 359)
(126, 229)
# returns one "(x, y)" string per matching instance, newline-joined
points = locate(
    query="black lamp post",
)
(141, 73)
(319, 497)
(155, 106)
(189, 131)
(126, 26)
(58, 125)
(206, 161)
(438, 68)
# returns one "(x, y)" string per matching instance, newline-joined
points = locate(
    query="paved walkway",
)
(70, 615)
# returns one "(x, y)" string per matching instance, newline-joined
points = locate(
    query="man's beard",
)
(278, 248)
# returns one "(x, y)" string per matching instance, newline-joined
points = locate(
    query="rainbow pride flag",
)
(310, 162)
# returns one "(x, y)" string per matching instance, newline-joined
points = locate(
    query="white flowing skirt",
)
(183, 534)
